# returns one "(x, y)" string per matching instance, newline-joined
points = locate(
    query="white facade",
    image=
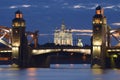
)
(80, 44)
(63, 36)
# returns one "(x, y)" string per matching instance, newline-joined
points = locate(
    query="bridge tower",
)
(100, 40)
(19, 41)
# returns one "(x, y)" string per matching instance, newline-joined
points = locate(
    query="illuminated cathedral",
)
(63, 36)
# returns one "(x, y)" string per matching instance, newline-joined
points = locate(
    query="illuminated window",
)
(21, 15)
(17, 16)
(16, 31)
(102, 11)
(97, 21)
(97, 28)
(97, 41)
(16, 24)
(98, 12)
(100, 22)
(96, 51)
(104, 21)
(22, 24)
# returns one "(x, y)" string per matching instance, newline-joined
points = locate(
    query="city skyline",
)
(61, 21)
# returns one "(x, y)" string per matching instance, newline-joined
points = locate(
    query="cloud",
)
(26, 5)
(78, 6)
(109, 7)
(118, 6)
(65, 3)
(46, 6)
(93, 6)
(85, 6)
(12, 7)
(19, 6)
(116, 24)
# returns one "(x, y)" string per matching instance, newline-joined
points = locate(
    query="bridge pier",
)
(115, 61)
(42, 61)
(112, 61)
(20, 50)
(24, 57)
(21, 56)
(98, 57)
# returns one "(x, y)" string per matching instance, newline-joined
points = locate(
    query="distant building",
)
(80, 44)
(63, 36)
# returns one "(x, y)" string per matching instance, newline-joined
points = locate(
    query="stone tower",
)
(19, 41)
(99, 39)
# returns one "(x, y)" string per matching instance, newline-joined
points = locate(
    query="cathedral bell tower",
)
(99, 39)
(19, 40)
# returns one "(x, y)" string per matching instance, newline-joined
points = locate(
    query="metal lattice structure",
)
(5, 35)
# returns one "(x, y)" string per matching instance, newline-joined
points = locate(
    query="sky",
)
(47, 15)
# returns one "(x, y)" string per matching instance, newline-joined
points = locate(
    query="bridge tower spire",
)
(99, 39)
(19, 40)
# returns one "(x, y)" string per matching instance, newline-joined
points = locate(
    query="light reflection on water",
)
(70, 66)
(59, 72)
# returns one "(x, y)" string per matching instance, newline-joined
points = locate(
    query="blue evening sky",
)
(47, 15)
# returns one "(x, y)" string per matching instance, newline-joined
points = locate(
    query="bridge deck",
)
(44, 50)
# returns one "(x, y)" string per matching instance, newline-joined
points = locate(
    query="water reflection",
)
(71, 66)
(98, 71)
(31, 72)
(97, 74)
(59, 72)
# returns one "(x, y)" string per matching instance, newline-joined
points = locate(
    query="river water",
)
(59, 72)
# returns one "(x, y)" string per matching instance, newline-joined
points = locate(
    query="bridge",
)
(18, 49)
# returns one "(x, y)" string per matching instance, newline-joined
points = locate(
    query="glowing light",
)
(115, 56)
(43, 51)
(32, 35)
(97, 72)
(4, 58)
(96, 50)
(15, 52)
(21, 15)
(82, 30)
(71, 65)
(98, 12)
(17, 15)
(117, 49)
(97, 21)
(97, 42)
(71, 54)
(57, 65)
(109, 50)
(16, 44)
(5, 51)
(14, 66)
